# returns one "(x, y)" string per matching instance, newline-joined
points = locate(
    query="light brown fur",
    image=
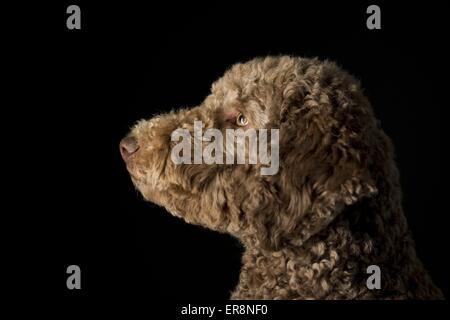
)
(334, 207)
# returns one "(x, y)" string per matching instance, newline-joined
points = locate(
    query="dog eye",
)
(241, 120)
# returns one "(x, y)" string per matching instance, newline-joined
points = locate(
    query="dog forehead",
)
(231, 96)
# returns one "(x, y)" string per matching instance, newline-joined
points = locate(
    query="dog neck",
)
(333, 265)
(321, 268)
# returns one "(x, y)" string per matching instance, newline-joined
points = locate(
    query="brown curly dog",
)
(333, 209)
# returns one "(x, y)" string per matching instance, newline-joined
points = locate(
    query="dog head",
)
(330, 152)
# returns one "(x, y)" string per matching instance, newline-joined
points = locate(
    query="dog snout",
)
(128, 146)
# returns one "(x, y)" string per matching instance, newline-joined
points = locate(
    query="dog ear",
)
(329, 148)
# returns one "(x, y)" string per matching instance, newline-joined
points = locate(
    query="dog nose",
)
(128, 146)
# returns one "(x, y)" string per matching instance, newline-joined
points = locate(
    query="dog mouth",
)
(139, 178)
(143, 189)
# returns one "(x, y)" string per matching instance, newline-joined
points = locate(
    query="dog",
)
(330, 213)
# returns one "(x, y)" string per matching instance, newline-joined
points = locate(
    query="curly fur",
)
(333, 209)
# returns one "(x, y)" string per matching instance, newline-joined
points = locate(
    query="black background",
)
(130, 61)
